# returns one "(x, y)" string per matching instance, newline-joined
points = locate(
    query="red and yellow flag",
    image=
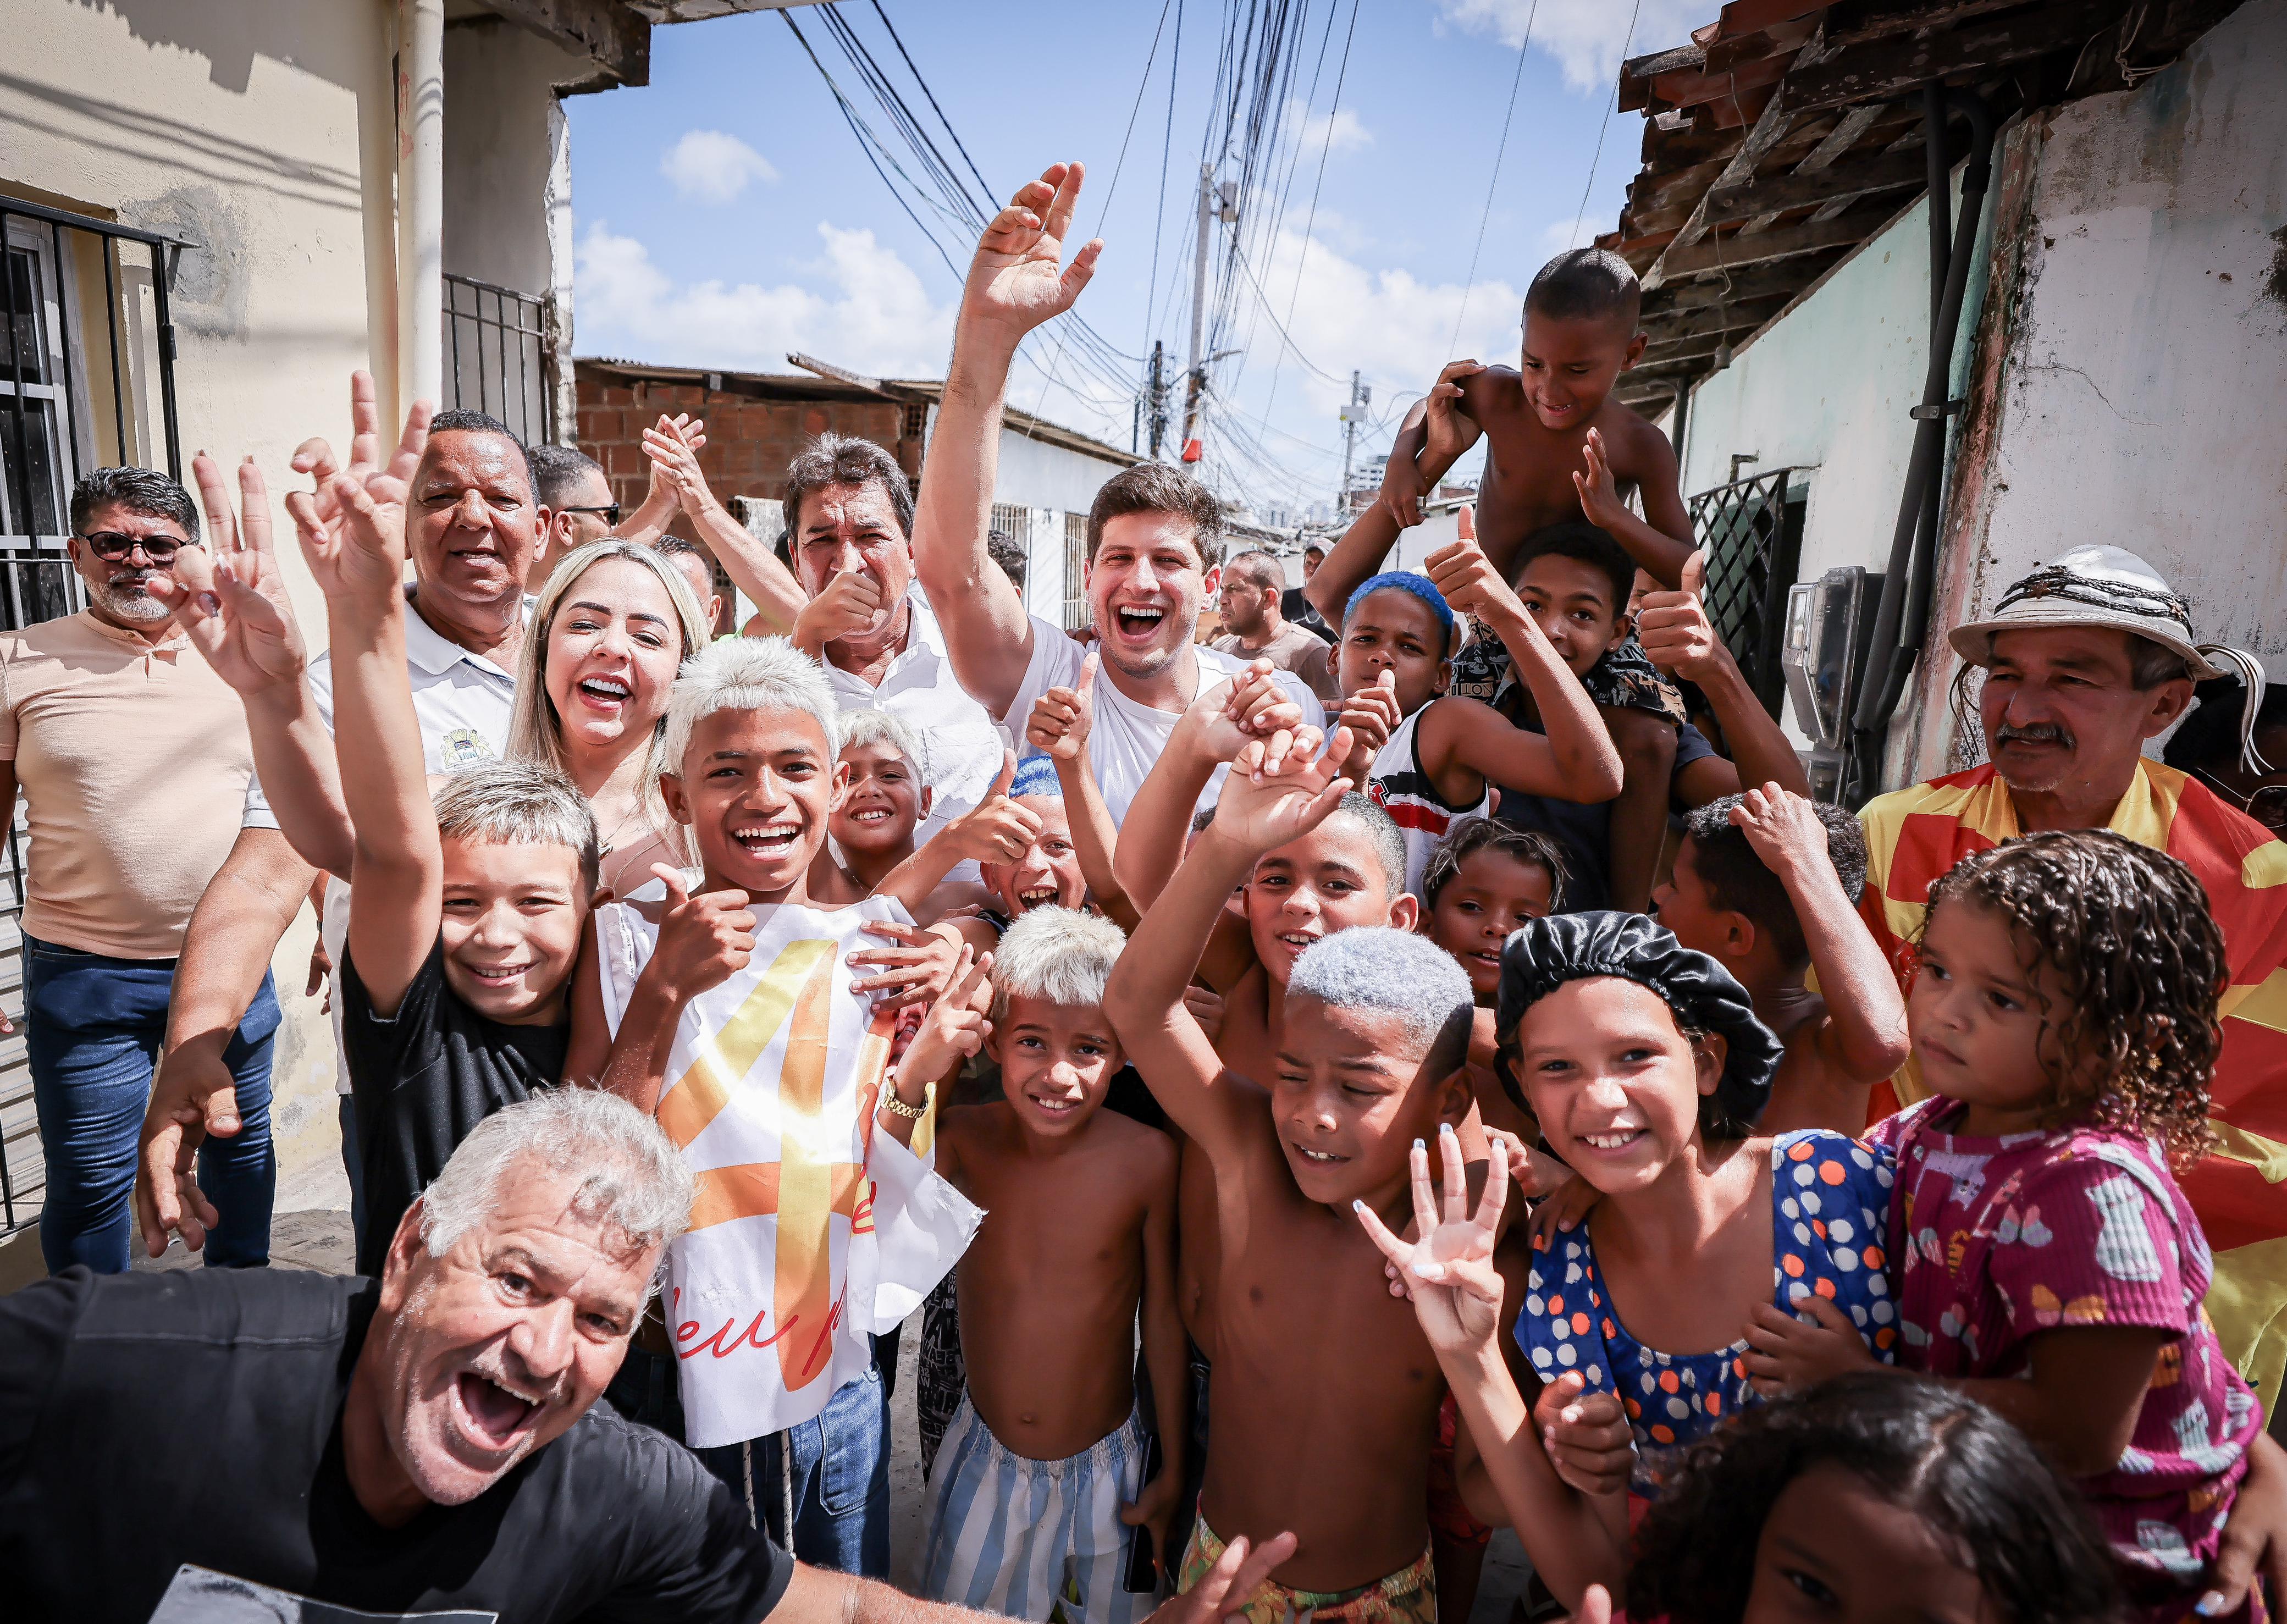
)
(1916, 835)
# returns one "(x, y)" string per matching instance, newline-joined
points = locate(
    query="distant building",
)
(757, 422)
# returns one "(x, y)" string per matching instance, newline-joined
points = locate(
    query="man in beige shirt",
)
(133, 758)
(1255, 628)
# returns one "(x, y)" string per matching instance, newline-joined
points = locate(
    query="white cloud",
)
(859, 306)
(1337, 131)
(1586, 37)
(707, 166)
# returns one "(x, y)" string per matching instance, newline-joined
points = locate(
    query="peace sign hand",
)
(955, 1028)
(351, 526)
(1017, 281)
(1449, 1271)
(229, 597)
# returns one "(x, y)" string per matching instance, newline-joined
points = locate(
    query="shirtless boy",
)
(1767, 884)
(1041, 1474)
(1325, 1393)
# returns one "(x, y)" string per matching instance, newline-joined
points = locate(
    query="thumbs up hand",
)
(703, 940)
(1467, 579)
(1061, 718)
(1674, 630)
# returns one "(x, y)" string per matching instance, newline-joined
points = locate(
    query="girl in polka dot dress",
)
(1646, 1067)
(2064, 1011)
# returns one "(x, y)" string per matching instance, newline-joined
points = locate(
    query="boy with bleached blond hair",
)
(1039, 1487)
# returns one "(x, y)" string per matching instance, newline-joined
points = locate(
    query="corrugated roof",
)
(1785, 134)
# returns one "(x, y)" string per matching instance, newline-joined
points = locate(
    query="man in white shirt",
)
(849, 513)
(473, 526)
(1153, 533)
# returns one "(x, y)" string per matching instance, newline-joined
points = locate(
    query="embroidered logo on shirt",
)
(463, 747)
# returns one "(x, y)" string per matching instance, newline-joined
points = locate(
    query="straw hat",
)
(2091, 586)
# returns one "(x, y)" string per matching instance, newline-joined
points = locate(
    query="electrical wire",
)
(1310, 221)
(1493, 186)
(1603, 125)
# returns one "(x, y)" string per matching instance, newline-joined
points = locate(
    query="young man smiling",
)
(1153, 533)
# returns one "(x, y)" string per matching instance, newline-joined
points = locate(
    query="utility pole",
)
(1213, 205)
(1156, 407)
(1353, 414)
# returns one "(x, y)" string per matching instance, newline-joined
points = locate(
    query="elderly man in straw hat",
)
(2085, 661)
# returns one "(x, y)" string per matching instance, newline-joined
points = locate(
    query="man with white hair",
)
(2086, 661)
(422, 1445)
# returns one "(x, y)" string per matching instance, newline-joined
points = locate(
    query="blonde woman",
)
(608, 634)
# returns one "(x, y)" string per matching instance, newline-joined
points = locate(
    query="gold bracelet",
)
(894, 1107)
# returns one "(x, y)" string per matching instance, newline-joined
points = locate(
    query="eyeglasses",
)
(610, 511)
(113, 545)
(2267, 805)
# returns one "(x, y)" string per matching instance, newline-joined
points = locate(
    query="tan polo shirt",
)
(132, 759)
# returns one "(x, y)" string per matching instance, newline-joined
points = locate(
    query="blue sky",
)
(726, 214)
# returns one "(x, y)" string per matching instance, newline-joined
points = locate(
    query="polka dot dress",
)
(1829, 1197)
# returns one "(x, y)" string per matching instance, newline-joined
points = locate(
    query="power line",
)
(1310, 221)
(1603, 125)
(1493, 185)
(1167, 146)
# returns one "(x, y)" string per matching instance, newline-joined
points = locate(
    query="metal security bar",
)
(87, 381)
(1752, 533)
(1075, 614)
(497, 357)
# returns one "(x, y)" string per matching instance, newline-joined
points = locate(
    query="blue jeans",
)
(92, 1030)
(841, 1480)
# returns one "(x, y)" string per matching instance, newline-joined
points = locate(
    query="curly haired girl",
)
(1869, 1497)
(2065, 1015)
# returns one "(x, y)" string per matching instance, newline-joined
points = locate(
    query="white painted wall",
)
(500, 157)
(1828, 390)
(2146, 376)
(1041, 475)
(264, 134)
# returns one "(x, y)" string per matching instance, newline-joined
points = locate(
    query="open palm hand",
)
(1018, 279)
(1449, 1271)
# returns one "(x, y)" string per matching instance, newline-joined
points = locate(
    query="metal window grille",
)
(87, 380)
(1075, 614)
(497, 355)
(1752, 533)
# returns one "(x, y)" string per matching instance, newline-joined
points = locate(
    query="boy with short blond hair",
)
(727, 1012)
(1042, 1478)
(1324, 1406)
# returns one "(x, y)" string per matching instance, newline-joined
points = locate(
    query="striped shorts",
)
(1034, 1539)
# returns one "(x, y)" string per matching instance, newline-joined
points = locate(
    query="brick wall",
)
(749, 443)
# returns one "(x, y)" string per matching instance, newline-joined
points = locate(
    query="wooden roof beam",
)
(1735, 252)
(1886, 69)
(1769, 126)
(1772, 193)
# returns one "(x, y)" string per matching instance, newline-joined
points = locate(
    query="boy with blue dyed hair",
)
(1430, 759)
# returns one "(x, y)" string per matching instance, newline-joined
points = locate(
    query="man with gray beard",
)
(133, 758)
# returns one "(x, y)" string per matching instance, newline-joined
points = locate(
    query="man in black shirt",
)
(228, 1445)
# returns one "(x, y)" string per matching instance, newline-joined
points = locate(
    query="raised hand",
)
(996, 829)
(1782, 828)
(703, 940)
(229, 597)
(1674, 630)
(1280, 788)
(1017, 279)
(850, 603)
(1449, 1271)
(1061, 718)
(1447, 429)
(351, 526)
(1373, 714)
(1470, 584)
(956, 1026)
(674, 452)
(1600, 492)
